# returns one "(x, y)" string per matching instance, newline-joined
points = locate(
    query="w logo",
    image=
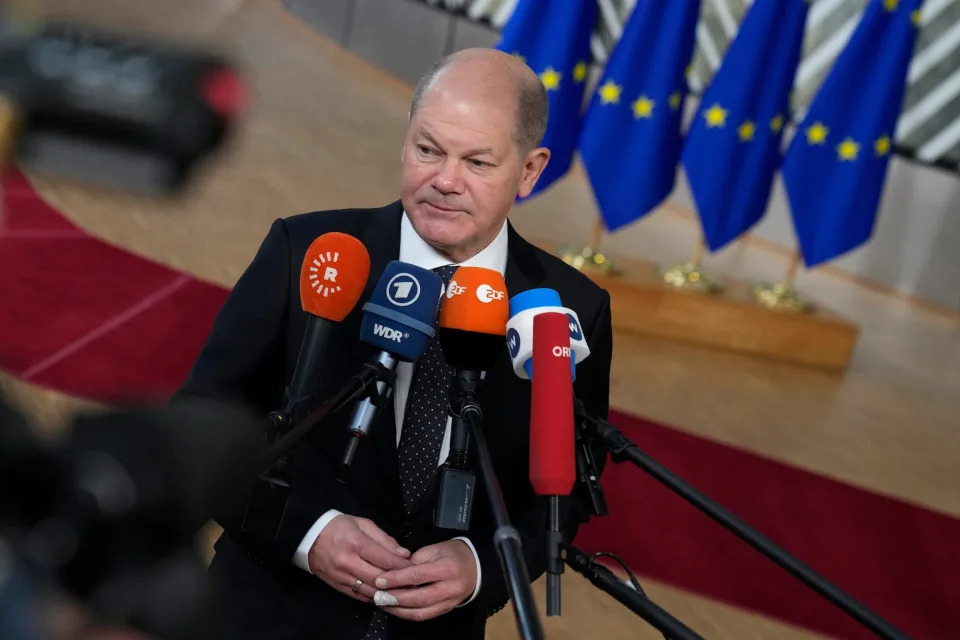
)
(576, 333)
(513, 342)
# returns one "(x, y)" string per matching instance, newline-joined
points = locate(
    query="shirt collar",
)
(416, 251)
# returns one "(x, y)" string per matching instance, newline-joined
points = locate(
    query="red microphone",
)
(552, 440)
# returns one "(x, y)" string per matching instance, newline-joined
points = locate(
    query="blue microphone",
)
(523, 308)
(398, 319)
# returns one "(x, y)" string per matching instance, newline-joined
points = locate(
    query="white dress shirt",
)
(415, 250)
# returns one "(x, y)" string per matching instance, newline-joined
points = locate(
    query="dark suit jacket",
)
(250, 356)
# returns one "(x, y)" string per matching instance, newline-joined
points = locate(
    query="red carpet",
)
(93, 320)
(88, 318)
(901, 561)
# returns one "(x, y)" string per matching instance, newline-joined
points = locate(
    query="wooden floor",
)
(325, 131)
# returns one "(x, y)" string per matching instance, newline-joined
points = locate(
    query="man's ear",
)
(533, 165)
(403, 153)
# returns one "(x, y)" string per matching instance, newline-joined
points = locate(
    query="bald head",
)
(492, 74)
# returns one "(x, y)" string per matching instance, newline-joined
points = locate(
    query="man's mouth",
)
(443, 208)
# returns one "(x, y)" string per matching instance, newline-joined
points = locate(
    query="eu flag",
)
(553, 38)
(732, 150)
(631, 139)
(835, 167)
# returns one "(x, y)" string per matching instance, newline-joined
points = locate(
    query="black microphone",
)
(398, 319)
(332, 278)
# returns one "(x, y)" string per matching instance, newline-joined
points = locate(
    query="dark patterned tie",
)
(424, 424)
(425, 417)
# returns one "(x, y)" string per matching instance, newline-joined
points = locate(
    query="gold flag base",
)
(587, 259)
(781, 296)
(690, 277)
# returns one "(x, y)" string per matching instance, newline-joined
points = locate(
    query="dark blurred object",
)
(110, 109)
(109, 513)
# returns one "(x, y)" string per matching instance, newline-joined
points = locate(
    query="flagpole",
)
(689, 275)
(783, 296)
(596, 235)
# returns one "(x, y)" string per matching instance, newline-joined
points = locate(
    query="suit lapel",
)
(524, 271)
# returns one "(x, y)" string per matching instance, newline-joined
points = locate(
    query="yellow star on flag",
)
(882, 146)
(746, 130)
(817, 133)
(891, 5)
(675, 100)
(643, 107)
(847, 150)
(550, 79)
(776, 123)
(689, 70)
(610, 92)
(580, 72)
(916, 16)
(716, 116)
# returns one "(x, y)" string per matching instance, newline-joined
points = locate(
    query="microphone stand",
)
(464, 404)
(267, 501)
(623, 449)
(607, 581)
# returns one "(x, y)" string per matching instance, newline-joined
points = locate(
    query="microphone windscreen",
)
(524, 307)
(473, 318)
(333, 276)
(400, 315)
(476, 300)
(552, 438)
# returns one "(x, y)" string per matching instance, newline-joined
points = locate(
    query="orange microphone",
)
(473, 322)
(334, 273)
(473, 318)
(332, 278)
(473, 329)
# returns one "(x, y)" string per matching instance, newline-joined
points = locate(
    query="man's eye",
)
(425, 150)
(480, 164)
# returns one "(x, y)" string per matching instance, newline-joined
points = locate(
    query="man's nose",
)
(449, 177)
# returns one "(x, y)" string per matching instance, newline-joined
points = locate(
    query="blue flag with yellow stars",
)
(732, 150)
(553, 38)
(630, 143)
(836, 164)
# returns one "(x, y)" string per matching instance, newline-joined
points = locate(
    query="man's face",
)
(461, 168)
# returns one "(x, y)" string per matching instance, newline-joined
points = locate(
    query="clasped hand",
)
(418, 586)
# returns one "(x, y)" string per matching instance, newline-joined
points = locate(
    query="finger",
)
(421, 597)
(417, 575)
(381, 537)
(344, 584)
(420, 615)
(359, 569)
(380, 557)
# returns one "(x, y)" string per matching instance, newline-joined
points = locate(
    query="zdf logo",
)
(486, 293)
(454, 289)
(403, 290)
